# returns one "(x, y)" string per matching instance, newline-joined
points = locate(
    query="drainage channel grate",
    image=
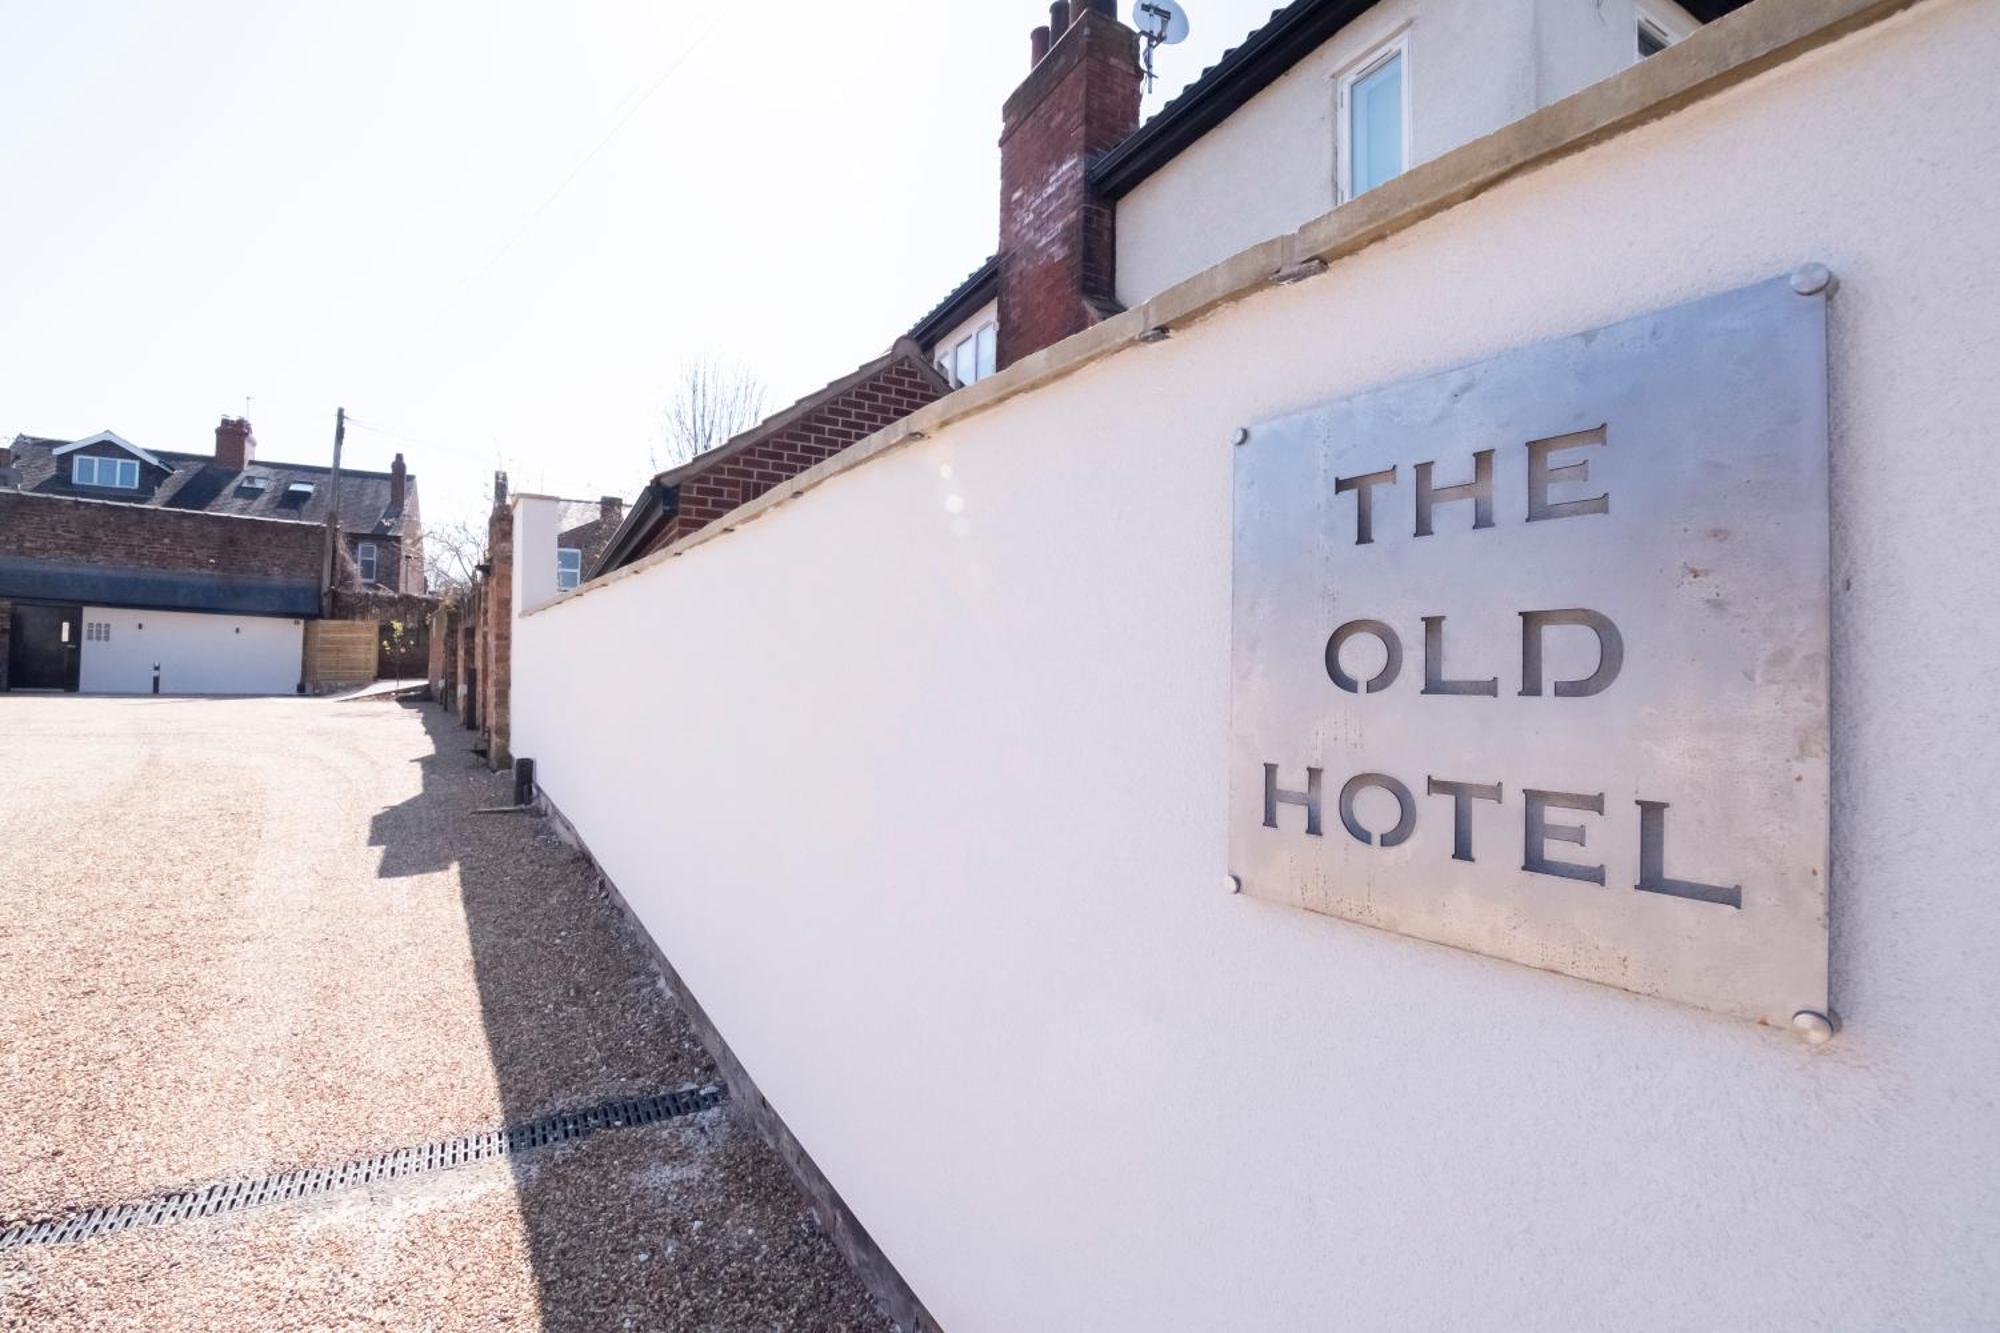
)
(230, 1196)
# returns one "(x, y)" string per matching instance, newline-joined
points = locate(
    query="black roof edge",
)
(1292, 34)
(977, 289)
(653, 499)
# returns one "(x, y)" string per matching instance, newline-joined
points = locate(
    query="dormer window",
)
(972, 358)
(95, 470)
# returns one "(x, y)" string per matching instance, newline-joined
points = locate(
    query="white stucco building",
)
(938, 734)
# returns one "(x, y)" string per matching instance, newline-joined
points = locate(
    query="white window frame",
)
(120, 468)
(947, 357)
(1397, 47)
(369, 558)
(985, 340)
(575, 576)
(1666, 29)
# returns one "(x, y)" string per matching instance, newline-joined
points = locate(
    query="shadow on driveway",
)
(689, 1224)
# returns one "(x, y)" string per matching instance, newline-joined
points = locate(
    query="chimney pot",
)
(235, 444)
(1038, 46)
(398, 484)
(1058, 20)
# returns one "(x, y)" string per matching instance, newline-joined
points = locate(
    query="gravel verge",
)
(252, 935)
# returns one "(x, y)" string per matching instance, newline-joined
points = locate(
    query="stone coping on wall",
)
(1715, 58)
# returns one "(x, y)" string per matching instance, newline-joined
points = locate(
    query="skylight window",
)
(252, 487)
(296, 494)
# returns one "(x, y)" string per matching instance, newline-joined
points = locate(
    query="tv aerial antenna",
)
(1160, 23)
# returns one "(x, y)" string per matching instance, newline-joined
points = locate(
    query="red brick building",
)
(1052, 277)
(124, 569)
(687, 498)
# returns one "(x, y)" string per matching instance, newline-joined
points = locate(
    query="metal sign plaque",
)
(1530, 657)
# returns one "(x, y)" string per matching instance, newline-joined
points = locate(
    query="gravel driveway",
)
(244, 936)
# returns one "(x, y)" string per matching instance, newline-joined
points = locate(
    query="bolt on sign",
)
(1530, 657)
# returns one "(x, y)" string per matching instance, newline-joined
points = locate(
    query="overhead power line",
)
(549, 201)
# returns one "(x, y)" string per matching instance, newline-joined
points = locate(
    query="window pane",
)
(128, 472)
(84, 472)
(988, 338)
(965, 361)
(1376, 125)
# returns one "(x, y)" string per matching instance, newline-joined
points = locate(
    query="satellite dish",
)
(1160, 23)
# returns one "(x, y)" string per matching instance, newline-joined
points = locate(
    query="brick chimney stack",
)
(1080, 100)
(398, 483)
(235, 445)
(611, 508)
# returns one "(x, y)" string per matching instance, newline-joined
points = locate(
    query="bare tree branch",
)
(452, 552)
(713, 400)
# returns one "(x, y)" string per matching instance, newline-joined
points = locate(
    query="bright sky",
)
(414, 211)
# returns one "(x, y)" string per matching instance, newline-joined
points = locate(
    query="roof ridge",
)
(290, 467)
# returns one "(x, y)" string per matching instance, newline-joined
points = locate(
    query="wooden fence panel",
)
(340, 652)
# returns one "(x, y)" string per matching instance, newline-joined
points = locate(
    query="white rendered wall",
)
(920, 782)
(1473, 66)
(537, 527)
(197, 653)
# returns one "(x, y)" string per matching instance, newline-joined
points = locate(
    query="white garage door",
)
(194, 653)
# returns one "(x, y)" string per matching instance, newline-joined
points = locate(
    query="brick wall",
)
(1056, 236)
(590, 539)
(465, 679)
(392, 567)
(444, 656)
(497, 601)
(126, 536)
(890, 394)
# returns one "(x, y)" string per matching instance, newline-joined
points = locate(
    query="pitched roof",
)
(836, 416)
(110, 437)
(194, 482)
(785, 416)
(1246, 69)
(585, 528)
(980, 286)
